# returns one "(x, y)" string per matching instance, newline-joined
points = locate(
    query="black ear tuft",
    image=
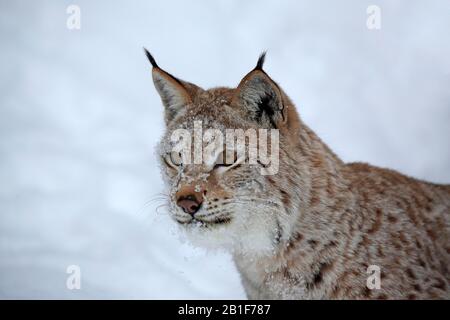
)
(262, 57)
(150, 58)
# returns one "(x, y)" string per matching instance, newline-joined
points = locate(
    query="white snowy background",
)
(79, 119)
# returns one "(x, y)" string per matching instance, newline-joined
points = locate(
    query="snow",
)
(80, 119)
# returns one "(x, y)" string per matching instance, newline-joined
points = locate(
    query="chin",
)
(235, 236)
(212, 236)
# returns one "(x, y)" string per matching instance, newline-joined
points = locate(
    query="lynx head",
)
(224, 159)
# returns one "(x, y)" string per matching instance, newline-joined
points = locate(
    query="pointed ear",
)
(261, 97)
(176, 95)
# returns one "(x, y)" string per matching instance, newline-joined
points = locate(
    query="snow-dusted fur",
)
(312, 229)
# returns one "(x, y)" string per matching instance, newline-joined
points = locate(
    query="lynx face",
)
(217, 203)
(225, 199)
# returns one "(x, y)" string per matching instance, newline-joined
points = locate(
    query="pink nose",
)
(189, 204)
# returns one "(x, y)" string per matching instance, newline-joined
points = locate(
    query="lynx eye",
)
(173, 159)
(227, 158)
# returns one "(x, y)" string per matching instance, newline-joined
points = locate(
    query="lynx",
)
(315, 228)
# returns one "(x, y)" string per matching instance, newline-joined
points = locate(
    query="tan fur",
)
(326, 220)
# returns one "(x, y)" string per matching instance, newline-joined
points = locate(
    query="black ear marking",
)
(150, 58)
(261, 59)
(265, 107)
